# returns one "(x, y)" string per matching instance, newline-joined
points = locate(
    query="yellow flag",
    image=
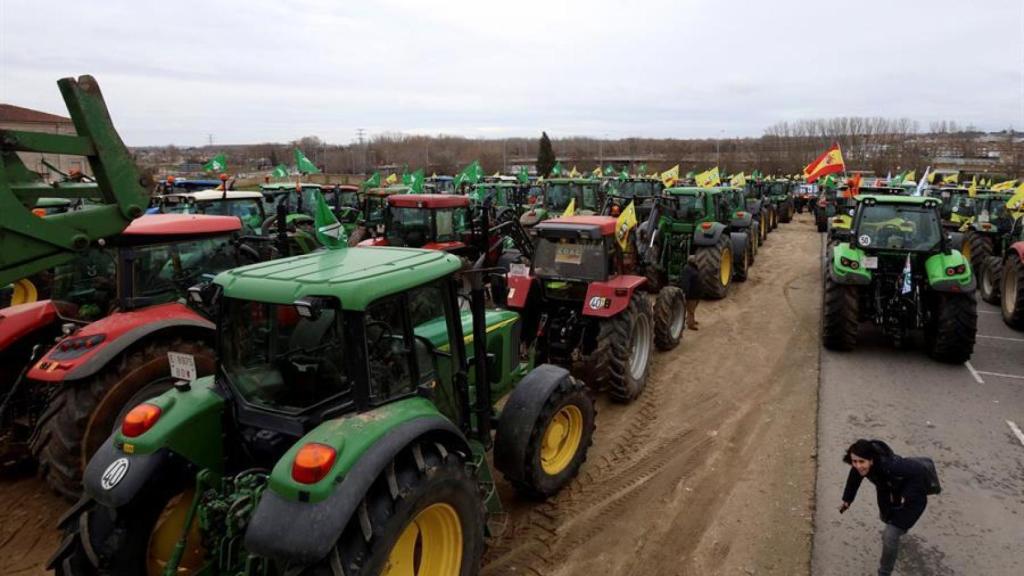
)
(570, 209)
(1004, 185)
(1015, 204)
(596, 172)
(708, 178)
(972, 190)
(951, 178)
(931, 177)
(655, 175)
(497, 174)
(573, 173)
(625, 223)
(670, 176)
(912, 175)
(738, 180)
(392, 179)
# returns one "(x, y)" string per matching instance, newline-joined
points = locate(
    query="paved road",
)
(955, 414)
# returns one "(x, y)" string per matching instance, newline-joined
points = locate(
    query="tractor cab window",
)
(687, 208)
(450, 224)
(86, 284)
(571, 259)
(963, 205)
(248, 211)
(897, 227)
(390, 349)
(589, 198)
(722, 204)
(558, 196)
(163, 272)
(277, 360)
(409, 227)
(375, 206)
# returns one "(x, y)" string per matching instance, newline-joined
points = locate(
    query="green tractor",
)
(697, 221)
(955, 208)
(988, 222)
(780, 193)
(348, 429)
(558, 194)
(642, 191)
(896, 268)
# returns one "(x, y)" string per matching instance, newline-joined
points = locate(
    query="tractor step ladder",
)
(31, 243)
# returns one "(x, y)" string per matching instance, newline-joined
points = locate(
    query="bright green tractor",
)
(895, 267)
(345, 431)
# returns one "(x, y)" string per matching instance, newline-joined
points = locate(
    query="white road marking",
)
(974, 372)
(1001, 375)
(1016, 431)
(1001, 338)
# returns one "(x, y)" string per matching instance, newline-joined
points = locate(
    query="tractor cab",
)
(439, 185)
(558, 194)
(951, 198)
(175, 185)
(643, 192)
(247, 206)
(429, 221)
(502, 195)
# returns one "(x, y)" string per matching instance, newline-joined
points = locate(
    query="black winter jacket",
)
(901, 485)
(689, 281)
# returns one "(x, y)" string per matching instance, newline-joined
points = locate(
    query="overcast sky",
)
(256, 71)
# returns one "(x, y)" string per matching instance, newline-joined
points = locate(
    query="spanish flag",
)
(831, 162)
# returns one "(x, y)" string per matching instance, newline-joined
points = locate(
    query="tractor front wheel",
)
(1013, 292)
(991, 282)
(950, 337)
(423, 515)
(82, 415)
(840, 315)
(621, 358)
(669, 317)
(715, 266)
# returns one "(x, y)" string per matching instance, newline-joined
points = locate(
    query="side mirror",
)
(310, 307)
(204, 295)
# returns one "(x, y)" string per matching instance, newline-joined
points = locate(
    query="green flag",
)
(414, 181)
(280, 171)
(329, 232)
(557, 170)
(303, 164)
(471, 174)
(372, 182)
(218, 163)
(523, 176)
(624, 175)
(642, 170)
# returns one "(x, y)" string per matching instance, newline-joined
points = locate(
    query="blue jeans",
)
(890, 548)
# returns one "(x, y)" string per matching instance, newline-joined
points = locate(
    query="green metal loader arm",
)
(30, 243)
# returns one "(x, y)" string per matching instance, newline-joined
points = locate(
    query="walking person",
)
(901, 484)
(689, 282)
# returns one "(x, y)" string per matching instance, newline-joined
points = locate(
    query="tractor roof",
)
(356, 276)
(347, 188)
(571, 181)
(427, 201)
(182, 225)
(505, 184)
(213, 195)
(690, 191)
(589, 226)
(287, 186)
(387, 191)
(892, 199)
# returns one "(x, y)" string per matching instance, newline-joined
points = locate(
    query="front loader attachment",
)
(31, 243)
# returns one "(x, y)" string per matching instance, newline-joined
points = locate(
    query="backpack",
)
(931, 477)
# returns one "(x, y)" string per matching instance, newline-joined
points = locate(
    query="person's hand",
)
(844, 507)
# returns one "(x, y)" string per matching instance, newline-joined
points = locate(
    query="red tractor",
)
(117, 310)
(587, 306)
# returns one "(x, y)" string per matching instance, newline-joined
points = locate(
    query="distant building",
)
(28, 120)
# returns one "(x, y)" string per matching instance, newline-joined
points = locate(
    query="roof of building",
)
(12, 113)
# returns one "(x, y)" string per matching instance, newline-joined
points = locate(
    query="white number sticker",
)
(114, 473)
(183, 366)
(519, 270)
(864, 240)
(870, 262)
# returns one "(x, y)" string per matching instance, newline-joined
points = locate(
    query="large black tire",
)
(774, 217)
(711, 263)
(990, 280)
(752, 240)
(950, 337)
(762, 226)
(100, 541)
(979, 248)
(742, 264)
(669, 317)
(570, 409)
(787, 212)
(840, 315)
(1013, 291)
(621, 360)
(392, 504)
(82, 414)
(820, 220)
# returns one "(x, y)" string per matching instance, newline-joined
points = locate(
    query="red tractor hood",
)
(18, 321)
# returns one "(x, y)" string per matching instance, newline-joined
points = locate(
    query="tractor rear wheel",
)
(976, 248)
(991, 275)
(82, 415)
(621, 360)
(950, 337)
(743, 262)
(820, 220)
(775, 217)
(840, 315)
(1013, 292)
(787, 212)
(762, 228)
(669, 317)
(715, 266)
(423, 515)
(752, 234)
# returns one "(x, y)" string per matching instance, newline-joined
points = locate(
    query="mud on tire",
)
(840, 315)
(611, 362)
(82, 414)
(710, 260)
(950, 337)
(669, 317)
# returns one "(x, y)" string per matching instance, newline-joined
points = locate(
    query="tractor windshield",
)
(163, 272)
(558, 196)
(963, 205)
(348, 198)
(374, 209)
(247, 210)
(642, 189)
(88, 284)
(277, 360)
(685, 208)
(567, 259)
(898, 227)
(416, 227)
(777, 189)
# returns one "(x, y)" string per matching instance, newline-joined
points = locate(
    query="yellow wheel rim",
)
(725, 272)
(165, 534)
(965, 249)
(561, 440)
(431, 545)
(24, 292)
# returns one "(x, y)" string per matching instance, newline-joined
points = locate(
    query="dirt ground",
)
(711, 471)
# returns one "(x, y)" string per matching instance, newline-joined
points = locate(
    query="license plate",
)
(183, 366)
(870, 262)
(519, 270)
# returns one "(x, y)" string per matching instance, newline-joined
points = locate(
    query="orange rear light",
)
(140, 419)
(706, 225)
(313, 462)
(39, 212)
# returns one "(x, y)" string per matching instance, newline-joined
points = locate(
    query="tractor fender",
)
(136, 470)
(708, 236)
(300, 531)
(742, 221)
(519, 416)
(739, 243)
(754, 207)
(607, 299)
(936, 266)
(518, 290)
(19, 321)
(118, 331)
(1018, 247)
(841, 269)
